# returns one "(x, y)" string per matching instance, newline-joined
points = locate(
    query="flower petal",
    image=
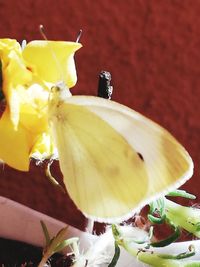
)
(43, 147)
(15, 75)
(33, 108)
(14, 144)
(53, 61)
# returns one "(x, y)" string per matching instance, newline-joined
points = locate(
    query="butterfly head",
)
(59, 93)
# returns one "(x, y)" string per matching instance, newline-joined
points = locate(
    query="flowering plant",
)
(28, 75)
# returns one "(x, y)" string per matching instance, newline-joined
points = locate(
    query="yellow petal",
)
(14, 144)
(43, 147)
(15, 75)
(53, 61)
(33, 108)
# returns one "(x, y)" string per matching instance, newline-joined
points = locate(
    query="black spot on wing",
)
(140, 156)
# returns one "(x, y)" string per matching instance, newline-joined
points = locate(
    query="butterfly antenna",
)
(79, 36)
(42, 32)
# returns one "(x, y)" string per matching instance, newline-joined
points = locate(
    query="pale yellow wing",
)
(113, 159)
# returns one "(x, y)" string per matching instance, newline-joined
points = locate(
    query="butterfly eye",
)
(54, 93)
(55, 89)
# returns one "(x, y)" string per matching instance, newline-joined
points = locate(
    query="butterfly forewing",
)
(113, 159)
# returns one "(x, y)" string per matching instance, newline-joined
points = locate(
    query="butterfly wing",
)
(114, 160)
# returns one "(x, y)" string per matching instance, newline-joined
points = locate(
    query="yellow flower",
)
(53, 61)
(28, 76)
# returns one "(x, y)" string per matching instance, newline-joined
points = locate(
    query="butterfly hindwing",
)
(113, 159)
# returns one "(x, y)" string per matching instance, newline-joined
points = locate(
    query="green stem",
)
(44, 260)
(149, 257)
(186, 217)
(153, 258)
(156, 260)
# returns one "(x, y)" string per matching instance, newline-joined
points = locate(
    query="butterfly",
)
(113, 159)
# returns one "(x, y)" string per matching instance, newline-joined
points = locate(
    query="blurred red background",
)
(152, 49)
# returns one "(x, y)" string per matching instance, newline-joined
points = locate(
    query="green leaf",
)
(46, 233)
(158, 207)
(156, 220)
(116, 233)
(168, 240)
(181, 193)
(66, 243)
(115, 257)
(184, 255)
(197, 227)
(56, 244)
(55, 241)
(161, 205)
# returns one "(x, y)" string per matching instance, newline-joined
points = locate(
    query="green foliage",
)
(178, 217)
(152, 258)
(162, 211)
(181, 193)
(56, 243)
(116, 256)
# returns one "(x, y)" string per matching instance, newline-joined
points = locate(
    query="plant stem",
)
(186, 217)
(44, 260)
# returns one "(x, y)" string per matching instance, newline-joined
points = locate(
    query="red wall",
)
(152, 49)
